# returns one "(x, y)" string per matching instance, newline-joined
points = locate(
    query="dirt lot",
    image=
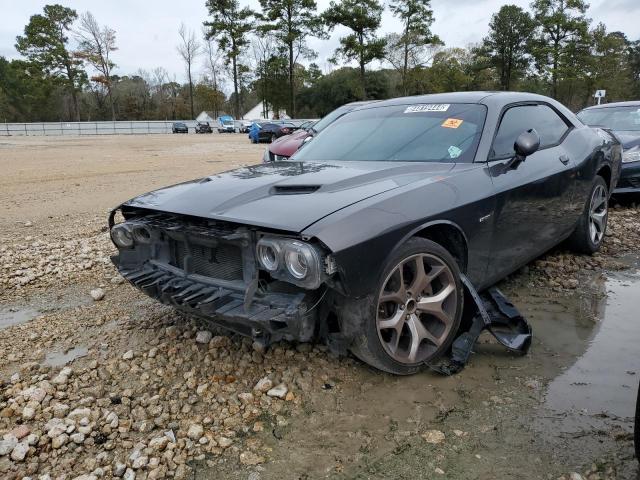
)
(124, 387)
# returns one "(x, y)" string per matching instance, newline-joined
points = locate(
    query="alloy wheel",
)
(416, 308)
(598, 214)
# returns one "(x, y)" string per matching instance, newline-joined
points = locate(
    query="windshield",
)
(409, 133)
(616, 118)
(330, 118)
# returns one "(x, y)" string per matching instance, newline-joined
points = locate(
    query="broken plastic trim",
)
(497, 315)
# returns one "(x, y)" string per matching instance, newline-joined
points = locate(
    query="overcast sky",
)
(147, 31)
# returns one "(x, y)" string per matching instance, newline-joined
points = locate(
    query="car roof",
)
(483, 97)
(633, 103)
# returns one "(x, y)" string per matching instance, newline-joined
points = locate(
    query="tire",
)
(273, 138)
(385, 318)
(592, 225)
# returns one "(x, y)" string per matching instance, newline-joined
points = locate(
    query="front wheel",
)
(592, 226)
(417, 309)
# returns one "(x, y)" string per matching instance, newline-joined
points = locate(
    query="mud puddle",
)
(16, 315)
(600, 387)
(60, 359)
(578, 377)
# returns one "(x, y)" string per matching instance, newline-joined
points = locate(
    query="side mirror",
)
(527, 144)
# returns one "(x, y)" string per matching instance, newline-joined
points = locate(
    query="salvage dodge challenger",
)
(362, 238)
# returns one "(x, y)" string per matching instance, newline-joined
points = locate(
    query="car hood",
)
(628, 139)
(286, 196)
(289, 144)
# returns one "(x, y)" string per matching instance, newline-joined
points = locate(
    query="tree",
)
(407, 49)
(189, 49)
(609, 67)
(507, 43)
(230, 26)
(45, 44)
(363, 18)
(562, 32)
(96, 45)
(291, 22)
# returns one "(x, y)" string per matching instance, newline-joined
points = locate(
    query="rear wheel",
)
(592, 226)
(417, 309)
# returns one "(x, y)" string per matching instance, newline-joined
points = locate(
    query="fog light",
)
(122, 236)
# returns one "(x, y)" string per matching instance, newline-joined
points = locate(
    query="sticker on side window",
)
(427, 107)
(452, 123)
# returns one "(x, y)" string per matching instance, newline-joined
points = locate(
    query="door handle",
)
(564, 159)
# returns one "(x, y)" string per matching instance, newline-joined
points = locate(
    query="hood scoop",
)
(294, 189)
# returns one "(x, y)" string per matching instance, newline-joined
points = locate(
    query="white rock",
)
(7, 444)
(279, 391)
(263, 385)
(60, 441)
(77, 438)
(129, 474)
(79, 413)
(433, 436)
(28, 412)
(195, 432)
(245, 398)
(97, 294)
(60, 410)
(119, 469)
(159, 443)
(128, 355)
(140, 462)
(203, 336)
(55, 427)
(224, 442)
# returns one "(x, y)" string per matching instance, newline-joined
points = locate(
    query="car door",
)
(531, 196)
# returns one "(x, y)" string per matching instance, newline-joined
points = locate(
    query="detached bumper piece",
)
(266, 317)
(493, 312)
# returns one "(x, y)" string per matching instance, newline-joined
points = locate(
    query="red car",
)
(284, 147)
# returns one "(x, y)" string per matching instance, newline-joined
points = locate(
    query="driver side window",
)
(549, 125)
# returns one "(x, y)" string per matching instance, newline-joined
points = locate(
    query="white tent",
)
(258, 112)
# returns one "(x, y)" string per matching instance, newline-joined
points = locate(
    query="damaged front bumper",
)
(265, 317)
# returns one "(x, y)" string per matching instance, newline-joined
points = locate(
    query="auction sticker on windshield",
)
(452, 123)
(428, 107)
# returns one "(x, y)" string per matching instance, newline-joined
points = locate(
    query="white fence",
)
(91, 128)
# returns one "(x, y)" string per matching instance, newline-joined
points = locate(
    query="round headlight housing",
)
(122, 236)
(297, 264)
(269, 254)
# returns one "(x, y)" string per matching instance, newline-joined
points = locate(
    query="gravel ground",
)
(97, 381)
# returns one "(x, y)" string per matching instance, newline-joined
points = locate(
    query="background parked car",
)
(226, 124)
(253, 132)
(203, 127)
(284, 147)
(245, 125)
(179, 127)
(271, 131)
(623, 119)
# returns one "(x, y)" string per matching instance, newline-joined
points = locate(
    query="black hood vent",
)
(294, 189)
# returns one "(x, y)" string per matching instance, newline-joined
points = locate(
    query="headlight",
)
(122, 236)
(266, 158)
(631, 155)
(291, 260)
(269, 254)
